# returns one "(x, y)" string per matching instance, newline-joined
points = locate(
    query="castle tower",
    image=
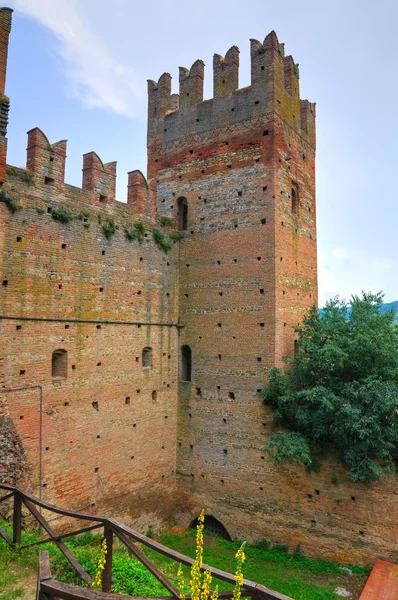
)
(237, 172)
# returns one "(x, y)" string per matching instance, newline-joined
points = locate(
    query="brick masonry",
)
(138, 442)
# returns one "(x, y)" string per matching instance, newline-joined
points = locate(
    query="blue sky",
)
(78, 70)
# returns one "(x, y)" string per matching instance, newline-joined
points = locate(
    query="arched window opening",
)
(182, 214)
(147, 358)
(186, 363)
(59, 363)
(295, 199)
(212, 525)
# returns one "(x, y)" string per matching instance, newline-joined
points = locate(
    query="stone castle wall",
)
(145, 443)
(108, 426)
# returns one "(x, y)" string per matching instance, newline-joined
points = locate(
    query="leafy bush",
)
(289, 447)
(176, 236)
(166, 221)
(8, 201)
(109, 228)
(341, 390)
(137, 233)
(82, 215)
(40, 211)
(61, 215)
(160, 240)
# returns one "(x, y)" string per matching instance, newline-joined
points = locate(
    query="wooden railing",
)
(50, 589)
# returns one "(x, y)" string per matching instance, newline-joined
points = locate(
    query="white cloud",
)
(96, 77)
(341, 254)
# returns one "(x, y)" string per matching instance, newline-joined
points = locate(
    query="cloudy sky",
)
(78, 70)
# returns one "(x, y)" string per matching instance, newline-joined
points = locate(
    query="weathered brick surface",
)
(139, 443)
(103, 301)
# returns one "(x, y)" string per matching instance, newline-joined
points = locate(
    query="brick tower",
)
(237, 171)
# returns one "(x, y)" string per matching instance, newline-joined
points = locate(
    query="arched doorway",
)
(212, 525)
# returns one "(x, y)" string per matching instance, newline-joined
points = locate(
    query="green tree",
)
(340, 390)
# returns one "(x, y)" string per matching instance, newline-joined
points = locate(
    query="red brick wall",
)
(116, 452)
(112, 435)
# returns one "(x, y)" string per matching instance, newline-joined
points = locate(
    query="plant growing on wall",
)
(160, 240)
(166, 221)
(341, 390)
(176, 236)
(61, 215)
(136, 233)
(8, 201)
(109, 228)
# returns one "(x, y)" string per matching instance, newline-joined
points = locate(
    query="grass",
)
(22, 174)
(292, 574)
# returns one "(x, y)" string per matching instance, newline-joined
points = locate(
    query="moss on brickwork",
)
(22, 174)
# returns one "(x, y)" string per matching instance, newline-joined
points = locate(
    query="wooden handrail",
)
(49, 588)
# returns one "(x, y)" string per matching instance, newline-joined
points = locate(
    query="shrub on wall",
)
(341, 390)
(109, 228)
(63, 216)
(136, 232)
(176, 236)
(166, 221)
(160, 240)
(8, 201)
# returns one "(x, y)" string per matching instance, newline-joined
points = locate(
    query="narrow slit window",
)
(183, 214)
(295, 199)
(186, 363)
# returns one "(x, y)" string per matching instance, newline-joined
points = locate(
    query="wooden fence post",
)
(107, 572)
(17, 519)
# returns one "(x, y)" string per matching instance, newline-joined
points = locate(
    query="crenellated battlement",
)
(99, 178)
(274, 91)
(46, 162)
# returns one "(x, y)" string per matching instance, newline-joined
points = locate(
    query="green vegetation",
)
(341, 390)
(109, 228)
(82, 215)
(160, 240)
(136, 233)
(290, 574)
(8, 201)
(166, 221)
(40, 211)
(61, 215)
(145, 183)
(176, 236)
(22, 174)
